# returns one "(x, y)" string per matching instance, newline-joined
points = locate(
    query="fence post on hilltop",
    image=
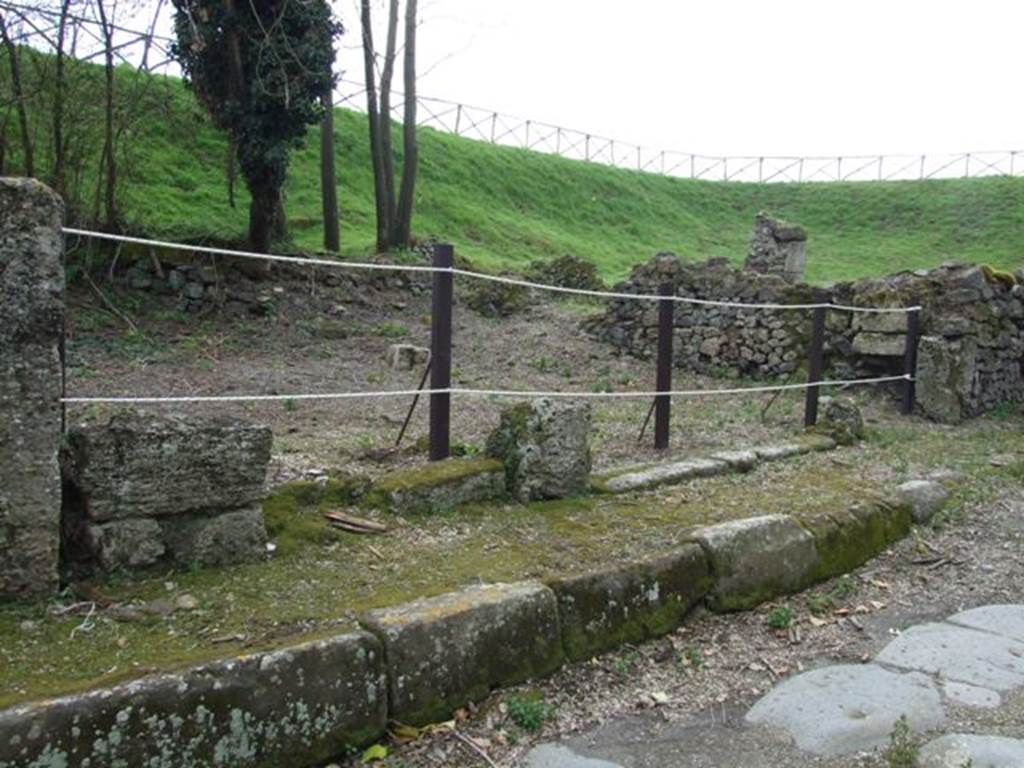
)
(760, 169)
(663, 403)
(494, 126)
(586, 148)
(910, 360)
(441, 353)
(558, 141)
(458, 118)
(1013, 154)
(815, 366)
(527, 135)
(967, 165)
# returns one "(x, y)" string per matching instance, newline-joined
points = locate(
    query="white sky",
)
(736, 76)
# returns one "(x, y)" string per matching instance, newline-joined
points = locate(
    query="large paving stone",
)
(847, 708)
(629, 603)
(756, 559)
(1006, 620)
(665, 474)
(956, 750)
(31, 327)
(445, 651)
(284, 709)
(558, 756)
(960, 654)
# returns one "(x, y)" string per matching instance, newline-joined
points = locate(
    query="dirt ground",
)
(320, 339)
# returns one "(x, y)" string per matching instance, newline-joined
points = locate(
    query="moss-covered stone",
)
(438, 486)
(757, 559)
(849, 538)
(445, 651)
(629, 603)
(283, 709)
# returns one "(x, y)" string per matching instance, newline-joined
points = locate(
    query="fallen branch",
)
(472, 745)
(354, 524)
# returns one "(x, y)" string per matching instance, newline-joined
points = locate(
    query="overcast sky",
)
(736, 76)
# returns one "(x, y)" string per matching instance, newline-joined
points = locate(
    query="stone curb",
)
(422, 660)
(289, 708)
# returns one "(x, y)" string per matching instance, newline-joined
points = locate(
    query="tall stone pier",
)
(31, 327)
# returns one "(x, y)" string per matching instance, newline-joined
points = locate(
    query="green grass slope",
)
(504, 207)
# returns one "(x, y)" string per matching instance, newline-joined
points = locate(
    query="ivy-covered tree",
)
(260, 67)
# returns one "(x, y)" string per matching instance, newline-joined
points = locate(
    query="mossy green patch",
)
(435, 474)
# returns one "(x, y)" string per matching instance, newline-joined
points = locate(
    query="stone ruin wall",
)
(970, 354)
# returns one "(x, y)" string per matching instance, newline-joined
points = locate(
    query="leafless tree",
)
(18, 94)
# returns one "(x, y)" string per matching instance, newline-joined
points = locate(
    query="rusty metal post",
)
(815, 367)
(910, 361)
(663, 403)
(441, 354)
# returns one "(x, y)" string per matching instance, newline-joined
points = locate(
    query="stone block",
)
(739, 461)
(125, 543)
(849, 538)
(946, 375)
(445, 651)
(282, 709)
(226, 538)
(662, 474)
(842, 420)
(147, 465)
(405, 357)
(879, 344)
(957, 750)
(629, 603)
(439, 486)
(31, 328)
(925, 497)
(879, 322)
(756, 559)
(545, 447)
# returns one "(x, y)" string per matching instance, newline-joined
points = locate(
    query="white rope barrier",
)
(477, 393)
(480, 276)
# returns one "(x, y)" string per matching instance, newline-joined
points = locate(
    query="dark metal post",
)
(441, 354)
(910, 360)
(663, 403)
(815, 366)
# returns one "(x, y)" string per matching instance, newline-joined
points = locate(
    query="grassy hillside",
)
(504, 207)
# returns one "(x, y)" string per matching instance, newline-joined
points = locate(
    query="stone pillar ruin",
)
(31, 331)
(778, 248)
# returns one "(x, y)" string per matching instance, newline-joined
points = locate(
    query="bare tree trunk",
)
(19, 99)
(386, 148)
(110, 202)
(328, 184)
(59, 160)
(410, 158)
(373, 119)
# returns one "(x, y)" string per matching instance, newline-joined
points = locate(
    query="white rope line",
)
(479, 393)
(250, 254)
(480, 276)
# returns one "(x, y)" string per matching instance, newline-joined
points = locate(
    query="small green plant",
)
(691, 657)
(528, 711)
(1003, 411)
(290, 405)
(543, 364)
(392, 330)
(781, 617)
(628, 663)
(602, 385)
(467, 450)
(820, 604)
(904, 746)
(843, 588)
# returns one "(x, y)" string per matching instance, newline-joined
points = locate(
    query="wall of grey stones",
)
(972, 326)
(31, 329)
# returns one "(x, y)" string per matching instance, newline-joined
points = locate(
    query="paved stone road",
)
(973, 659)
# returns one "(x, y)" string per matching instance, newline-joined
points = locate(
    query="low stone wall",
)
(418, 662)
(972, 326)
(141, 488)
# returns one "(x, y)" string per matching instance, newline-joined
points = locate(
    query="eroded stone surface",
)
(926, 497)
(445, 651)
(956, 750)
(960, 654)
(847, 708)
(232, 537)
(558, 756)
(756, 559)
(31, 326)
(740, 461)
(971, 695)
(441, 485)
(148, 465)
(126, 543)
(629, 603)
(666, 474)
(288, 709)
(545, 447)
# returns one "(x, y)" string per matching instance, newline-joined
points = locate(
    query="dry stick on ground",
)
(354, 524)
(469, 743)
(109, 304)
